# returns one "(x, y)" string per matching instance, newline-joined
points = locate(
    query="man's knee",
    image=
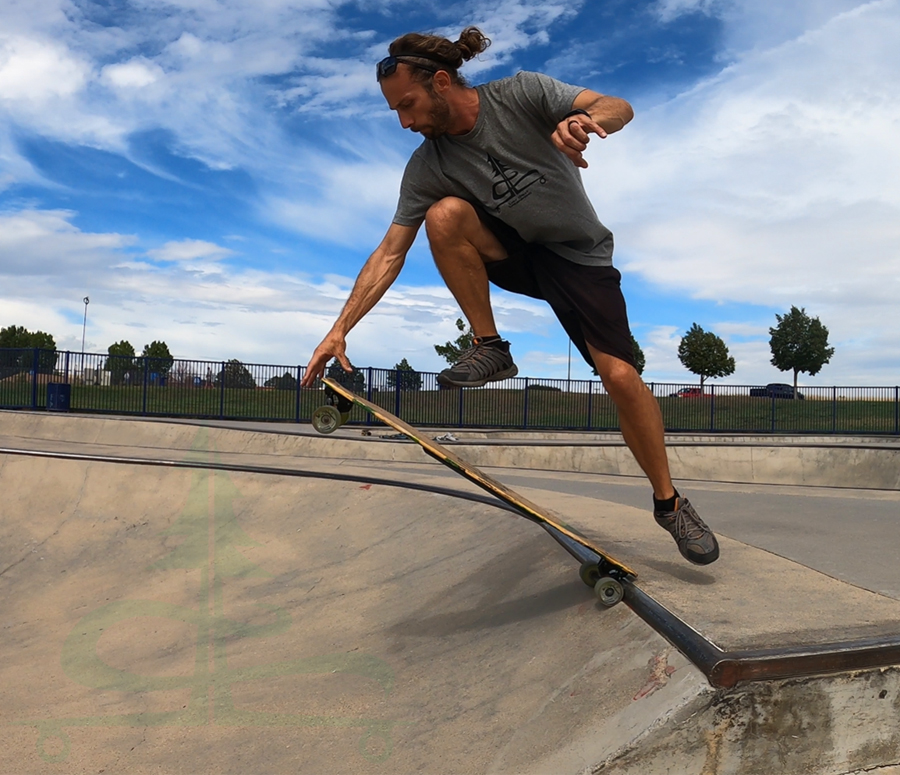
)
(618, 376)
(446, 217)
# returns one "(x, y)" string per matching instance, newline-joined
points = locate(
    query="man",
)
(497, 184)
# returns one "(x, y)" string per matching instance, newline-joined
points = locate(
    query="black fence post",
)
(834, 409)
(525, 407)
(297, 401)
(712, 408)
(146, 378)
(897, 410)
(772, 428)
(369, 392)
(397, 392)
(460, 405)
(222, 393)
(34, 376)
(590, 417)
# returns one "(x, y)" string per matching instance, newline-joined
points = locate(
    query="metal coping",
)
(723, 669)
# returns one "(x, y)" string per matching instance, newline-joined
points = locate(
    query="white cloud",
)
(671, 9)
(45, 243)
(775, 183)
(202, 306)
(35, 72)
(750, 25)
(189, 250)
(134, 74)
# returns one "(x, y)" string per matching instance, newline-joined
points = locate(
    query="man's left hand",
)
(572, 136)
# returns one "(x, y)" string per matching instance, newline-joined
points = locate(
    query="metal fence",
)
(69, 381)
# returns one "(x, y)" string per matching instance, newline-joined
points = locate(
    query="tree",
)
(799, 343)
(639, 361)
(704, 353)
(235, 375)
(286, 381)
(451, 351)
(20, 338)
(120, 363)
(355, 380)
(410, 379)
(159, 359)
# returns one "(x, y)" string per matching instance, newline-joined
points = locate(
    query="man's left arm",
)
(596, 114)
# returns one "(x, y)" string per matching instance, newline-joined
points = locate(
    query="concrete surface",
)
(186, 622)
(813, 526)
(167, 620)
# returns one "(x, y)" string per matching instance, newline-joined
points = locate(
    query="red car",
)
(689, 392)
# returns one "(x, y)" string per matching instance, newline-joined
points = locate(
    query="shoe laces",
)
(477, 352)
(687, 523)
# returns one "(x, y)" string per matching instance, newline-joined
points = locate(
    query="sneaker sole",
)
(704, 559)
(510, 372)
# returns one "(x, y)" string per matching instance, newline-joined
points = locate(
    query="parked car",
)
(689, 392)
(776, 390)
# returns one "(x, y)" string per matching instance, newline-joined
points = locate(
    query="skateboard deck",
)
(598, 569)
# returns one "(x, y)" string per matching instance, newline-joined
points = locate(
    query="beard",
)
(439, 117)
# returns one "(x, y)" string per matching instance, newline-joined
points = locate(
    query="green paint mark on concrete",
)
(210, 537)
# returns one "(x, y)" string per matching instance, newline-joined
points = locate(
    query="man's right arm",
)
(376, 276)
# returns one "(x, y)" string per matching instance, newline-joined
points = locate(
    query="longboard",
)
(598, 569)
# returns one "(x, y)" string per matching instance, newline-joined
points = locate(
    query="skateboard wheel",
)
(609, 591)
(590, 574)
(327, 419)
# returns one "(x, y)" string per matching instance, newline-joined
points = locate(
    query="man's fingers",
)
(592, 126)
(573, 135)
(315, 369)
(313, 372)
(577, 131)
(572, 152)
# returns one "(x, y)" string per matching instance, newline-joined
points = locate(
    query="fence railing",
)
(233, 390)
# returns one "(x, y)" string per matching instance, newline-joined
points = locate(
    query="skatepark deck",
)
(209, 621)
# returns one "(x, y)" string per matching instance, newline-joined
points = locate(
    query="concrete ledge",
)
(813, 461)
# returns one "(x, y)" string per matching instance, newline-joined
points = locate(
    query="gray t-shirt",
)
(509, 165)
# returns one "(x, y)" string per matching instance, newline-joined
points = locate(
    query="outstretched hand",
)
(572, 136)
(332, 346)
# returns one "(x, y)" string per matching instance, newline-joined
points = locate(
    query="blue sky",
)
(214, 173)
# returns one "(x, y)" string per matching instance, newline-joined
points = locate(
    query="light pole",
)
(83, 330)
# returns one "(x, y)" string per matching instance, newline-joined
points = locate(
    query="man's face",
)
(419, 109)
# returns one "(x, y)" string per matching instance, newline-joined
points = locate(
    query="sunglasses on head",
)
(388, 65)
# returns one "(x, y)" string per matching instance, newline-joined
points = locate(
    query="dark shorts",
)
(587, 300)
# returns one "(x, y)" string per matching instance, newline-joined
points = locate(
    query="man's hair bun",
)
(471, 43)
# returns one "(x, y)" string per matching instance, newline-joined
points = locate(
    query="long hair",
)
(471, 43)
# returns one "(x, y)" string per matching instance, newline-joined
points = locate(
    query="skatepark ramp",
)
(169, 604)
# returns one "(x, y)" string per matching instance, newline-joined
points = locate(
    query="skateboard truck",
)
(607, 588)
(336, 412)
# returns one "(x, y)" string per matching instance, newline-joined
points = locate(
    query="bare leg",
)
(461, 245)
(639, 418)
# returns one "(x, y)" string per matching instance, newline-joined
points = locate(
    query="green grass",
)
(498, 408)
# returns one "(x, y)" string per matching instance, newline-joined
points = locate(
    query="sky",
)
(214, 174)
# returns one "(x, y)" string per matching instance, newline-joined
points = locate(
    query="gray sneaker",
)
(695, 540)
(480, 364)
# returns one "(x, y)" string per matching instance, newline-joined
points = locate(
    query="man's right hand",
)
(332, 346)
